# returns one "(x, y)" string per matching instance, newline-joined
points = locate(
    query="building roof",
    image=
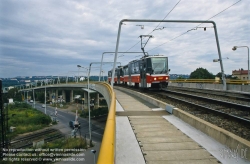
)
(239, 72)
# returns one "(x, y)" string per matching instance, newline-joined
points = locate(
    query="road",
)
(97, 128)
(64, 117)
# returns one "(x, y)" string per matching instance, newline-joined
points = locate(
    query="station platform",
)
(147, 134)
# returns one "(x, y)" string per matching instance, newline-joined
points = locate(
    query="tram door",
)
(143, 73)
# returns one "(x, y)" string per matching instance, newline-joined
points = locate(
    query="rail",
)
(213, 81)
(107, 150)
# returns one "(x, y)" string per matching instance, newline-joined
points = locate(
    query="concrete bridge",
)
(140, 130)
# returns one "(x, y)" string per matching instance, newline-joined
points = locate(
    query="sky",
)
(52, 37)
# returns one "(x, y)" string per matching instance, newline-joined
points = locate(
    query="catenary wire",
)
(155, 27)
(194, 27)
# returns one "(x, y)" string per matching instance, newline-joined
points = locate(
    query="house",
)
(240, 74)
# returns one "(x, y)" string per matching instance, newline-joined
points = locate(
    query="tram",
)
(147, 72)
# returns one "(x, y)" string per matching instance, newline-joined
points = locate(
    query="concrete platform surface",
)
(167, 139)
(219, 151)
(168, 144)
(127, 147)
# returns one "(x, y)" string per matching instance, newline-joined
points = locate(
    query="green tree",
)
(40, 96)
(201, 73)
(12, 93)
(219, 75)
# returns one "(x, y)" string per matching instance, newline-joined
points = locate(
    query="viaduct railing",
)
(107, 150)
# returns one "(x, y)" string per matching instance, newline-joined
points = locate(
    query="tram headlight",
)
(166, 78)
(155, 78)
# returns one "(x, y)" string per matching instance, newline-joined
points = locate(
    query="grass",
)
(25, 119)
(68, 143)
(65, 105)
(95, 113)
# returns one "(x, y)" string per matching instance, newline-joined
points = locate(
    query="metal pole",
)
(234, 48)
(77, 75)
(89, 105)
(27, 96)
(248, 63)
(45, 98)
(111, 52)
(34, 100)
(82, 105)
(221, 64)
(89, 95)
(173, 21)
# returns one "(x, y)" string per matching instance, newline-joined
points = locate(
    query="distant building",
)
(82, 79)
(11, 87)
(240, 74)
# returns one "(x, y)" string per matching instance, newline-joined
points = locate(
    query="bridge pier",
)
(97, 101)
(71, 95)
(56, 96)
(50, 95)
(64, 95)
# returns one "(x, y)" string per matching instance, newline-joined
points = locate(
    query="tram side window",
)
(125, 71)
(136, 67)
(121, 72)
(109, 74)
(132, 68)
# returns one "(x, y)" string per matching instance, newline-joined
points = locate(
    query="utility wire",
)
(166, 16)
(154, 28)
(194, 27)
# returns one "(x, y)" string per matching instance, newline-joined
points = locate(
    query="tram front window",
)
(159, 65)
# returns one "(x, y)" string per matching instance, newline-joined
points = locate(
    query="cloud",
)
(53, 36)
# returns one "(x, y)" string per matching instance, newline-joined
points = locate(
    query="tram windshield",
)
(159, 65)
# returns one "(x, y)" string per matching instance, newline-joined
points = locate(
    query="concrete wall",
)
(230, 87)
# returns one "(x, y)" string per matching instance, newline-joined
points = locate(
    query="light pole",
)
(89, 95)
(34, 99)
(220, 60)
(79, 66)
(235, 48)
(78, 72)
(27, 96)
(45, 97)
(103, 75)
(93, 151)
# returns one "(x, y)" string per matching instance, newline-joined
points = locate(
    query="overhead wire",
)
(155, 27)
(166, 16)
(194, 27)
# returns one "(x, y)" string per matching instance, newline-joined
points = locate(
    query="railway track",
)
(235, 111)
(229, 115)
(235, 97)
(27, 140)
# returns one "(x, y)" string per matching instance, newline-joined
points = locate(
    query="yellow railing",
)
(212, 81)
(107, 150)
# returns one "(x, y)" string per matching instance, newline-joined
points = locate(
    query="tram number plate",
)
(160, 78)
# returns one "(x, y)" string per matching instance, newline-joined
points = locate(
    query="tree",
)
(40, 96)
(201, 73)
(12, 93)
(219, 75)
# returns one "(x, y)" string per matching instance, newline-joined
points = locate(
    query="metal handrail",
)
(107, 150)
